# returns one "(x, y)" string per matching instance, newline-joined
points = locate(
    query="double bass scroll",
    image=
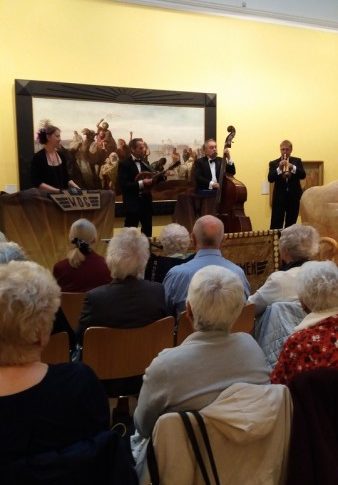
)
(231, 195)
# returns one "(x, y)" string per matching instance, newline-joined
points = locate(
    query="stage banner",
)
(34, 221)
(256, 252)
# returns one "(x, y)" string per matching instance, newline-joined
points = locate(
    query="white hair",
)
(318, 285)
(174, 239)
(127, 254)
(10, 251)
(2, 237)
(216, 297)
(29, 299)
(300, 241)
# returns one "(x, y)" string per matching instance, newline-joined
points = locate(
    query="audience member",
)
(314, 342)
(128, 301)
(10, 251)
(207, 237)
(43, 408)
(83, 269)
(192, 375)
(175, 241)
(297, 245)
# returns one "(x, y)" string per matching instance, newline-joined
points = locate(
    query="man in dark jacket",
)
(286, 173)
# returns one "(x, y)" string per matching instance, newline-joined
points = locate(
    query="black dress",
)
(56, 176)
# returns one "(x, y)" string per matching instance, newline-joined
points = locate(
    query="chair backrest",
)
(125, 352)
(57, 349)
(184, 328)
(71, 304)
(245, 322)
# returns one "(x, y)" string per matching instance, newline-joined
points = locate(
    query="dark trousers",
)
(142, 214)
(284, 209)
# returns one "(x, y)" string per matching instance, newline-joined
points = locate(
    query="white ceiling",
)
(311, 13)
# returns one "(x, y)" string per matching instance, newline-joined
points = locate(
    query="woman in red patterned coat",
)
(314, 342)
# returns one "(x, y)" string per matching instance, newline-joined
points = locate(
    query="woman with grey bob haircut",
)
(318, 285)
(300, 242)
(58, 405)
(174, 239)
(29, 298)
(314, 342)
(127, 254)
(216, 299)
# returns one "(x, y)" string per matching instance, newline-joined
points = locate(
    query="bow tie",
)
(212, 160)
(137, 160)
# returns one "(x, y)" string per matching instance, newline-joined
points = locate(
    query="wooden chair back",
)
(119, 352)
(71, 304)
(57, 349)
(245, 322)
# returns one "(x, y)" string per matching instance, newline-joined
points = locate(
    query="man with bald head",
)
(207, 237)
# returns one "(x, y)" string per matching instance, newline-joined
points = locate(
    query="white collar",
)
(315, 317)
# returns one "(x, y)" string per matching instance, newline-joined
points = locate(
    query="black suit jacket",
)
(291, 186)
(125, 303)
(203, 173)
(130, 189)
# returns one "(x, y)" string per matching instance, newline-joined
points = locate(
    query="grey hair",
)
(209, 231)
(127, 254)
(29, 298)
(216, 297)
(175, 239)
(300, 241)
(2, 237)
(10, 251)
(318, 285)
(84, 230)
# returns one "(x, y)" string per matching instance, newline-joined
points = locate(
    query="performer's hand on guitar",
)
(147, 182)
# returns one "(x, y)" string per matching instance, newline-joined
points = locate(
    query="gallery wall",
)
(272, 81)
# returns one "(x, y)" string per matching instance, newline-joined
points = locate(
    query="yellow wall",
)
(272, 81)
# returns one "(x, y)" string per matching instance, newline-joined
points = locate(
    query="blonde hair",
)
(82, 235)
(29, 299)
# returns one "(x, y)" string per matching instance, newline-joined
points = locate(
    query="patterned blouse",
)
(307, 349)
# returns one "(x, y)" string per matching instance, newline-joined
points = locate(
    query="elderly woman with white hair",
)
(128, 300)
(298, 244)
(175, 241)
(314, 342)
(192, 375)
(83, 269)
(43, 408)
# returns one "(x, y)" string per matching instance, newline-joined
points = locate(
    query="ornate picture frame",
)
(29, 93)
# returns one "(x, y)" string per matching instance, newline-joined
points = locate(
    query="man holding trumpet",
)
(286, 173)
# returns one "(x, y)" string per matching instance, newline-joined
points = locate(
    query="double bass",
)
(232, 195)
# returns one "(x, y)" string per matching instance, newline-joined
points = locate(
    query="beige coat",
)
(248, 427)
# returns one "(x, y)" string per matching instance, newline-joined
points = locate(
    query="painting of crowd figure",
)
(93, 157)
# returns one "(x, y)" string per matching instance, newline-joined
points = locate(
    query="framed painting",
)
(172, 123)
(314, 175)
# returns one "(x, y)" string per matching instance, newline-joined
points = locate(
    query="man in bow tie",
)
(207, 168)
(286, 173)
(137, 199)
